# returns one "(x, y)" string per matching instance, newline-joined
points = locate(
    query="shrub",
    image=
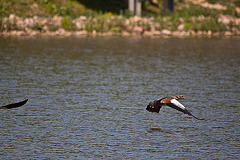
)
(67, 23)
(116, 29)
(209, 24)
(188, 26)
(36, 26)
(88, 26)
(52, 28)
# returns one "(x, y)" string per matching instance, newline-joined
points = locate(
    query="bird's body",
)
(170, 101)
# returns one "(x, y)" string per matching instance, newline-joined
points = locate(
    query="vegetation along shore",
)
(83, 18)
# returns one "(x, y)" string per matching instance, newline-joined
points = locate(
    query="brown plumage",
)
(170, 101)
(14, 105)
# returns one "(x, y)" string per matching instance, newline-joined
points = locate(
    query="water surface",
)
(87, 98)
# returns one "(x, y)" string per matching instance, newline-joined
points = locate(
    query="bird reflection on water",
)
(165, 131)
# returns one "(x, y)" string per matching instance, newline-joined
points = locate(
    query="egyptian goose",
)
(14, 105)
(170, 101)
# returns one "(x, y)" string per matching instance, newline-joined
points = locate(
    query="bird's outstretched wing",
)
(14, 105)
(178, 106)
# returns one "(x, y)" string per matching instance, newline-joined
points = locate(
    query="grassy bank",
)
(189, 17)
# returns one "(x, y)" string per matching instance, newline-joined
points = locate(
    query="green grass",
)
(75, 8)
(227, 3)
(206, 25)
(100, 14)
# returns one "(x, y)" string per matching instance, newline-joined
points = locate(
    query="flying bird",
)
(170, 101)
(14, 105)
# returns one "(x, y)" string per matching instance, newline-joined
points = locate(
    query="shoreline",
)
(63, 33)
(108, 26)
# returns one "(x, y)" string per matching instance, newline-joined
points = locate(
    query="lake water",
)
(87, 98)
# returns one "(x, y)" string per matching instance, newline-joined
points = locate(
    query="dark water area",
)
(87, 98)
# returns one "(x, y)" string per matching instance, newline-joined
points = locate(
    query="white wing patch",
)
(176, 103)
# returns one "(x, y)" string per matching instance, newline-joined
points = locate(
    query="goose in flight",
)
(170, 101)
(14, 105)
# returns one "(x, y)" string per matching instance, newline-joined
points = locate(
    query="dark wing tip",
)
(25, 101)
(196, 117)
(14, 105)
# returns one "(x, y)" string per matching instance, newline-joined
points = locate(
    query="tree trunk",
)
(168, 6)
(135, 6)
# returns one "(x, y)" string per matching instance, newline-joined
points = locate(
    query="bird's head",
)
(180, 97)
